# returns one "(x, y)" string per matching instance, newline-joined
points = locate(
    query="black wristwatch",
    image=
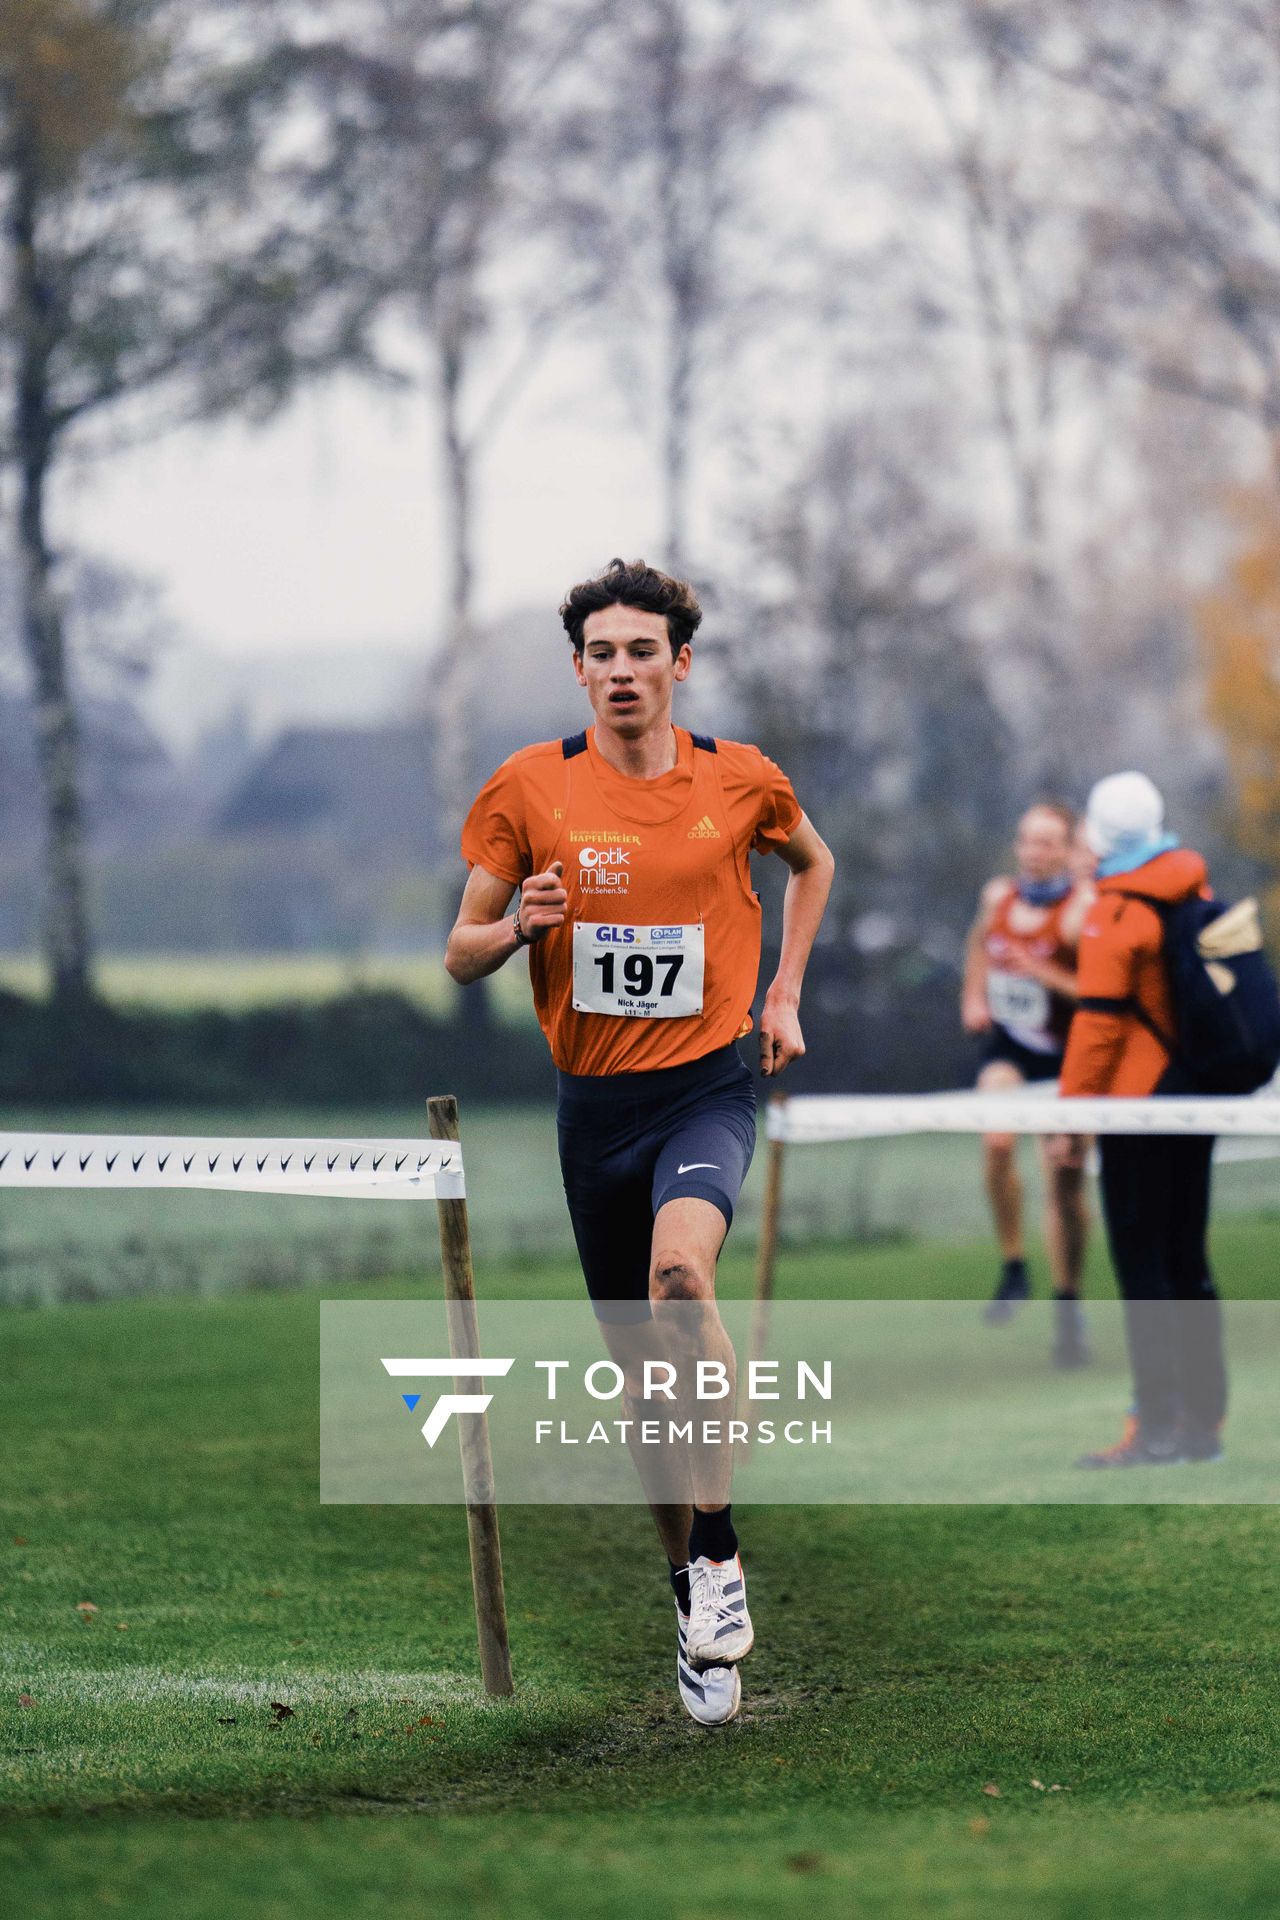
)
(522, 938)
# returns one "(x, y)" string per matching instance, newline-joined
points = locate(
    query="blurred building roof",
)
(356, 787)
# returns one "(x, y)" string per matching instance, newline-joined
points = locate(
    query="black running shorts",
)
(999, 1045)
(629, 1142)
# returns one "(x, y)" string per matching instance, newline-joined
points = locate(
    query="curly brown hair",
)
(633, 584)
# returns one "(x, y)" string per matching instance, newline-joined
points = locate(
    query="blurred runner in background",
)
(1019, 995)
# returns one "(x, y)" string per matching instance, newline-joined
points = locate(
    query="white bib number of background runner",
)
(1017, 1001)
(644, 973)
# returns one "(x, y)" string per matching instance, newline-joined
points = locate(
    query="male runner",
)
(1019, 993)
(637, 828)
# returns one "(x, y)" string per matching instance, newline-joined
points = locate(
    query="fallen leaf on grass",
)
(122, 1626)
(980, 1827)
(282, 1712)
(26, 1700)
(1038, 1785)
(1057, 1789)
(992, 1789)
(273, 1593)
(86, 1609)
(21, 1540)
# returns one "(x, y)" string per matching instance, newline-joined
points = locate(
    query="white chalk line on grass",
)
(359, 1686)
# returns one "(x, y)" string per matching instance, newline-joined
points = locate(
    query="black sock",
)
(712, 1535)
(679, 1577)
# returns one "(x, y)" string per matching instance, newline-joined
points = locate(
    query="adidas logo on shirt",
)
(706, 829)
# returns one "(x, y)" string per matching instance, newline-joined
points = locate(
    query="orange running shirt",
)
(657, 872)
(1030, 1013)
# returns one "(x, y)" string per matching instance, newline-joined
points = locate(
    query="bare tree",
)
(135, 261)
(1141, 146)
(438, 170)
(1085, 218)
(435, 169)
(1022, 193)
(1184, 102)
(672, 124)
(884, 718)
(115, 625)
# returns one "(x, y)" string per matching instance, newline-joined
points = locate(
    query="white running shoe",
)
(711, 1697)
(720, 1629)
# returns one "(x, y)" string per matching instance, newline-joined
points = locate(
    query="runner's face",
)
(1042, 846)
(627, 668)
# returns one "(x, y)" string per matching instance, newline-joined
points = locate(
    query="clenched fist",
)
(543, 902)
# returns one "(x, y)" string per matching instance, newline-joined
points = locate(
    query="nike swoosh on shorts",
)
(711, 1164)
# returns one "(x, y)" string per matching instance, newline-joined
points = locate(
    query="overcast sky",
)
(323, 529)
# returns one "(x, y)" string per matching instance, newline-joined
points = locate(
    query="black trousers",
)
(1155, 1200)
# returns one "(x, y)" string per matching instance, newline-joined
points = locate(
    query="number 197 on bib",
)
(646, 973)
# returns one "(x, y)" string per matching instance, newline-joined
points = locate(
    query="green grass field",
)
(160, 1464)
(233, 981)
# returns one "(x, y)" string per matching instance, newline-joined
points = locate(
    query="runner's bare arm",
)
(483, 937)
(1075, 913)
(974, 1011)
(1059, 980)
(812, 866)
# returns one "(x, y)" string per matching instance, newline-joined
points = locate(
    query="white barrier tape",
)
(813, 1118)
(339, 1169)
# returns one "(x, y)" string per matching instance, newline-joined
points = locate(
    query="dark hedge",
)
(360, 1047)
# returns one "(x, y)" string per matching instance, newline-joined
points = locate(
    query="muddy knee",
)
(676, 1278)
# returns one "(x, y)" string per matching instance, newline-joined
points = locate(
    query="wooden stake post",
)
(477, 1460)
(767, 1248)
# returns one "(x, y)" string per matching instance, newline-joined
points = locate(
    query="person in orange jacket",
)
(1154, 1187)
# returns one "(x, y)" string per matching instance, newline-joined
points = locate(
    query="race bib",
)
(642, 973)
(1016, 1001)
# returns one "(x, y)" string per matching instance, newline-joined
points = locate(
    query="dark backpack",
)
(1226, 1003)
